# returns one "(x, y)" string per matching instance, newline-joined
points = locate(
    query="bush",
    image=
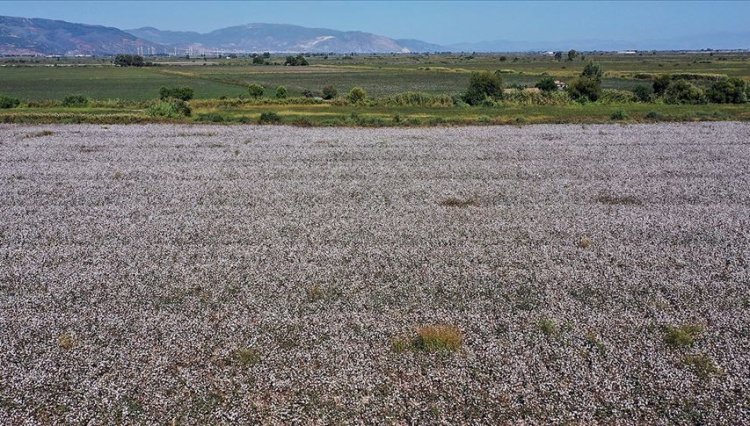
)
(255, 90)
(258, 60)
(419, 99)
(642, 93)
(356, 95)
(547, 84)
(173, 108)
(8, 102)
(329, 92)
(75, 101)
(129, 61)
(585, 89)
(269, 118)
(182, 93)
(483, 85)
(592, 70)
(683, 92)
(653, 115)
(729, 91)
(619, 115)
(661, 83)
(296, 61)
(614, 96)
(281, 92)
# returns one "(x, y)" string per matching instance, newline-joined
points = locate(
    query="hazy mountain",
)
(24, 36)
(283, 38)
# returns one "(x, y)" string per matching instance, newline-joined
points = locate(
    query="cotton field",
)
(177, 274)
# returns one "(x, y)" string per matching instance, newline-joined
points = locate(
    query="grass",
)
(547, 326)
(458, 202)
(702, 365)
(66, 341)
(614, 200)
(682, 336)
(408, 90)
(247, 357)
(584, 242)
(432, 339)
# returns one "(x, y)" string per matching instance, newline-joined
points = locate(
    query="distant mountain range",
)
(35, 36)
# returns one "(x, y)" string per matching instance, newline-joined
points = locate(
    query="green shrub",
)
(729, 91)
(296, 61)
(173, 108)
(661, 83)
(614, 96)
(585, 89)
(418, 99)
(255, 90)
(211, 117)
(329, 92)
(682, 336)
(269, 118)
(642, 93)
(653, 115)
(547, 84)
(483, 85)
(129, 61)
(619, 115)
(683, 92)
(8, 102)
(281, 92)
(356, 95)
(182, 93)
(75, 101)
(592, 70)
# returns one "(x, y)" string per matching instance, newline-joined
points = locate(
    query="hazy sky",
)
(439, 22)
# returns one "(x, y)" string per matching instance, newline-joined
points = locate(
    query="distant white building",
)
(561, 85)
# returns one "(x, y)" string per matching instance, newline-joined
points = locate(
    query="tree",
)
(572, 54)
(8, 102)
(267, 55)
(661, 83)
(280, 92)
(585, 89)
(483, 85)
(728, 91)
(547, 84)
(642, 93)
(255, 90)
(258, 60)
(356, 95)
(592, 70)
(296, 61)
(182, 93)
(329, 92)
(558, 56)
(683, 92)
(129, 60)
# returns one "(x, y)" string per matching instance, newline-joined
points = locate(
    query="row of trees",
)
(486, 86)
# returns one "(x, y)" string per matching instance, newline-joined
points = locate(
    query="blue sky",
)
(439, 22)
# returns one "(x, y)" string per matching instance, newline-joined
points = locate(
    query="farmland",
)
(119, 95)
(209, 274)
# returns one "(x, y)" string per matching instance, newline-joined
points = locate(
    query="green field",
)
(122, 94)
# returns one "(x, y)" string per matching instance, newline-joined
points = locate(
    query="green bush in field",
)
(356, 95)
(729, 91)
(75, 101)
(483, 85)
(269, 118)
(585, 89)
(642, 93)
(547, 84)
(418, 99)
(329, 92)
(182, 93)
(281, 92)
(255, 90)
(129, 61)
(619, 115)
(684, 92)
(8, 102)
(592, 70)
(661, 83)
(615, 96)
(296, 61)
(172, 108)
